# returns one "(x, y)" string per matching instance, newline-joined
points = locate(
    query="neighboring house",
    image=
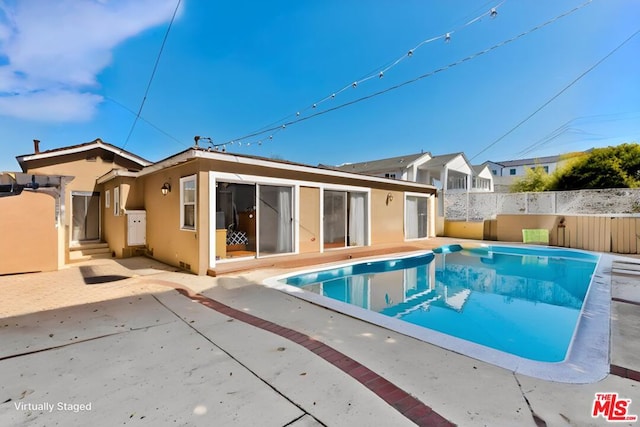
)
(482, 178)
(506, 172)
(199, 208)
(516, 168)
(453, 169)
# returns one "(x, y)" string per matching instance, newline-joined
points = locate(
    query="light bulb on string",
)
(410, 53)
(270, 136)
(314, 106)
(381, 75)
(298, 113)
(493, 12)
(447, 38)
(354, 85)
(333, 95)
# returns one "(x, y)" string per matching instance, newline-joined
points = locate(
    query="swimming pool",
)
(517, 307)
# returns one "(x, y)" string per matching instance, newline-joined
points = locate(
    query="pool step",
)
(626, 267)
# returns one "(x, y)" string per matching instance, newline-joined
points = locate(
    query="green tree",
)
(609, 167)
(535, 179)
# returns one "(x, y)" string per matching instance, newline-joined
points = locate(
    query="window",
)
(107, 199)
(512, 171)
(495, 172)
(188, 203)
(546, 169)
(116, 201)
(390, 175)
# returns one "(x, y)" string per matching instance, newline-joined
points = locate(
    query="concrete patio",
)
(113, 342)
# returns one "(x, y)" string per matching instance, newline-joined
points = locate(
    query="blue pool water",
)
(522, 301)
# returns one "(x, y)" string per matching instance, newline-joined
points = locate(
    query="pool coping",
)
(587, 358)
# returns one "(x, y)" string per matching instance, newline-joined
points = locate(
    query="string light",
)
(492, 12)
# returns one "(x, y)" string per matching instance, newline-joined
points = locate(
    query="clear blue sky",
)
(72, 71)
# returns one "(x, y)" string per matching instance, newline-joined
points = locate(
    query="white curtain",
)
(284, 238)
(358, 289)
(357, 219)
(411, 218)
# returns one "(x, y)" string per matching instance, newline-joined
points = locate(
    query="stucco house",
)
(199, 208)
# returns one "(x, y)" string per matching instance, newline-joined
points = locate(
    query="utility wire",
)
(380, 71)
(165, 133)
(564, 89)
(408, 82)
(153, 73)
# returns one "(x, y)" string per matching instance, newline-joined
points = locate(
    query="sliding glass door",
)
(416, 217)
(275, 220)
(344, 219)
(335, 224)
(85, 216)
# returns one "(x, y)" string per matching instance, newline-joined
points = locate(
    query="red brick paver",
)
(399, 399)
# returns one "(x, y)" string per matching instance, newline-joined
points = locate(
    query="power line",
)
(153, 73)
(569, 127)
(165, 133)
(380, 71)
(564, 89)
(405, 83)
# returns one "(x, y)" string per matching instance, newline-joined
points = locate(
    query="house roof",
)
(530, 161)
(198, 152)
(479, 168)
(381, 165)
(441, 160)
(87, 146)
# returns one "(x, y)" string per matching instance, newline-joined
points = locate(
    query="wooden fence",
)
(617, 234)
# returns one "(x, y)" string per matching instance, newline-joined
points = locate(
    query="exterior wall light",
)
(166, 188)
(389, 198)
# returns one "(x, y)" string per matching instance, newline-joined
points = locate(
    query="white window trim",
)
(195, 203)
(107, 199)
(116, 201)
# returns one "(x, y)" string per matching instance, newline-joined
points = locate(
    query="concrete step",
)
(88, 251)
(626, 267)
(92, 245)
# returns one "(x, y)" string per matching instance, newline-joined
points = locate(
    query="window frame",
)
(116, 200)
(107, 199)
(185, 180)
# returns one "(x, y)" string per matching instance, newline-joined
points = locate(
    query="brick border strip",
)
(399, 399)
(625, 301)
(624, 372)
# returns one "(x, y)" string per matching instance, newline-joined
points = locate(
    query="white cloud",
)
(50, 106)
(55, 50)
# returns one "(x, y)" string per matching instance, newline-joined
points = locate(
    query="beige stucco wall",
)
(509, 227)
(165, 240)
(114, 227)
(309, 228)
(464, 229)
(29, 237)
(85, 168)
(387, 220)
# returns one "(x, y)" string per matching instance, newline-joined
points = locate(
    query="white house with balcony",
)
(453, 169)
